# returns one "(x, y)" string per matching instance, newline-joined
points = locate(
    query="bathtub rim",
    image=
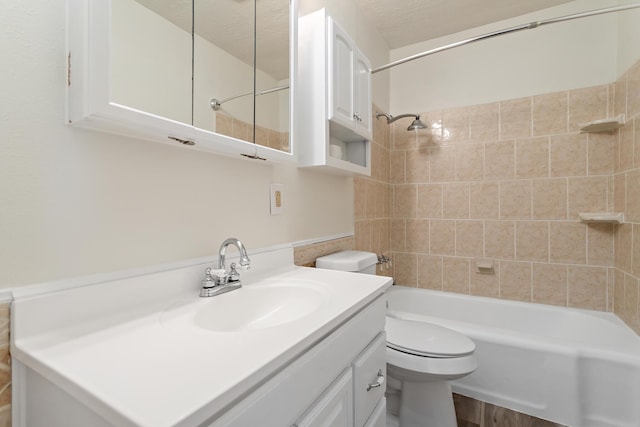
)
(628, 354)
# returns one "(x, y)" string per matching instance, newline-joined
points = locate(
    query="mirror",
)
(151, 69)
(178, 79)
(223, 66)
(272, 77)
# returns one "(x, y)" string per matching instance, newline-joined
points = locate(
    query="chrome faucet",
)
(244, 259)
(219, 281)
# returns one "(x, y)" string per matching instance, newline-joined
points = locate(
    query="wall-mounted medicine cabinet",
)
(333, 100)
(149, 70)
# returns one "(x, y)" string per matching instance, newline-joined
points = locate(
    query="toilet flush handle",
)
(378, 382)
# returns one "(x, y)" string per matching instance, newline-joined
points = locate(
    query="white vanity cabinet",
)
(328, 385)
(333, 101)
(84, 356)
(335, 408)
(379, 416)
(369, 375)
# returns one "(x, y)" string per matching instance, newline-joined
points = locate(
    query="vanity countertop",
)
(122, 358)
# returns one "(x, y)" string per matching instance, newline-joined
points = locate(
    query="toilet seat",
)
(405, 366)
(426, 339)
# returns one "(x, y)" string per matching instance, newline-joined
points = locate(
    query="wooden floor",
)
(474, 413)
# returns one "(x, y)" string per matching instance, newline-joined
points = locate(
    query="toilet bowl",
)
(424, 357)
(421, 357)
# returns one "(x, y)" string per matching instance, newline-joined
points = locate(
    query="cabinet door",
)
(362, 113)
(341, 58)
(379, 416)
(369, 374)
(335, 408)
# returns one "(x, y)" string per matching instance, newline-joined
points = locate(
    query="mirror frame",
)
(89, 87)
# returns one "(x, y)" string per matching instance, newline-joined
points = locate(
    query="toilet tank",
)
(354, 261)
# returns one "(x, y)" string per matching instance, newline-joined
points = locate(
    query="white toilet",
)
(421, 357)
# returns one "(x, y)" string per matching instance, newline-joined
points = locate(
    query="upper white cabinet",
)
(349, 83)
(341, 82)
(145, 69)
(362, 74)
(333, 100)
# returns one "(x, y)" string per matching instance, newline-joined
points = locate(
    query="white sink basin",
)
(251, 307)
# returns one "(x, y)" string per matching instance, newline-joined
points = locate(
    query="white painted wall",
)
(563, 56)
(76, 202)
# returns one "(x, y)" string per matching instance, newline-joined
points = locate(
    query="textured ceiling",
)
(228, 23)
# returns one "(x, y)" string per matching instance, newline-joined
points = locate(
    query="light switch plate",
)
(277, 199)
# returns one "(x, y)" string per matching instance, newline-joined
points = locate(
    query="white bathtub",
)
(576, 367)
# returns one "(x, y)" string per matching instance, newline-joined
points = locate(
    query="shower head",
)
(415, 125)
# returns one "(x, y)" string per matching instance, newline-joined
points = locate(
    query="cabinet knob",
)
(378, 382)
(357, 117)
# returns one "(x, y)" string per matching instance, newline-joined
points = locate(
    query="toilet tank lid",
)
(347, 260)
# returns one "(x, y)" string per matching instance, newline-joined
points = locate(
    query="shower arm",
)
(391, 119)
(529, 26)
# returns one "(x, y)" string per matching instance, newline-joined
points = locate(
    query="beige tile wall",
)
(626, 195)
(506, 181)
(372, 197)
(5, 368)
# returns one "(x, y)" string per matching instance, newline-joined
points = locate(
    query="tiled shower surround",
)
(372, 198)
(5, 367)
(505, 182)
(626, 165)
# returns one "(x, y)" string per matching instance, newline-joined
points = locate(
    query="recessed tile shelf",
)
(603, 125)
(602, 217)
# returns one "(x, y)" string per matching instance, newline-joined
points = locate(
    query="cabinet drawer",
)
(369, 377)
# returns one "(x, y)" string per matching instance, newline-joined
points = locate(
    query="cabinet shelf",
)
(603, 125)
(602, 217)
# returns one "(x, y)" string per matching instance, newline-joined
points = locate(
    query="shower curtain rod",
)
(217, 103)
(529, 26)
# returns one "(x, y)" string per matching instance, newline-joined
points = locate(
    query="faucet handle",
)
(233, 273)
(208, 281)
(214, 277)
